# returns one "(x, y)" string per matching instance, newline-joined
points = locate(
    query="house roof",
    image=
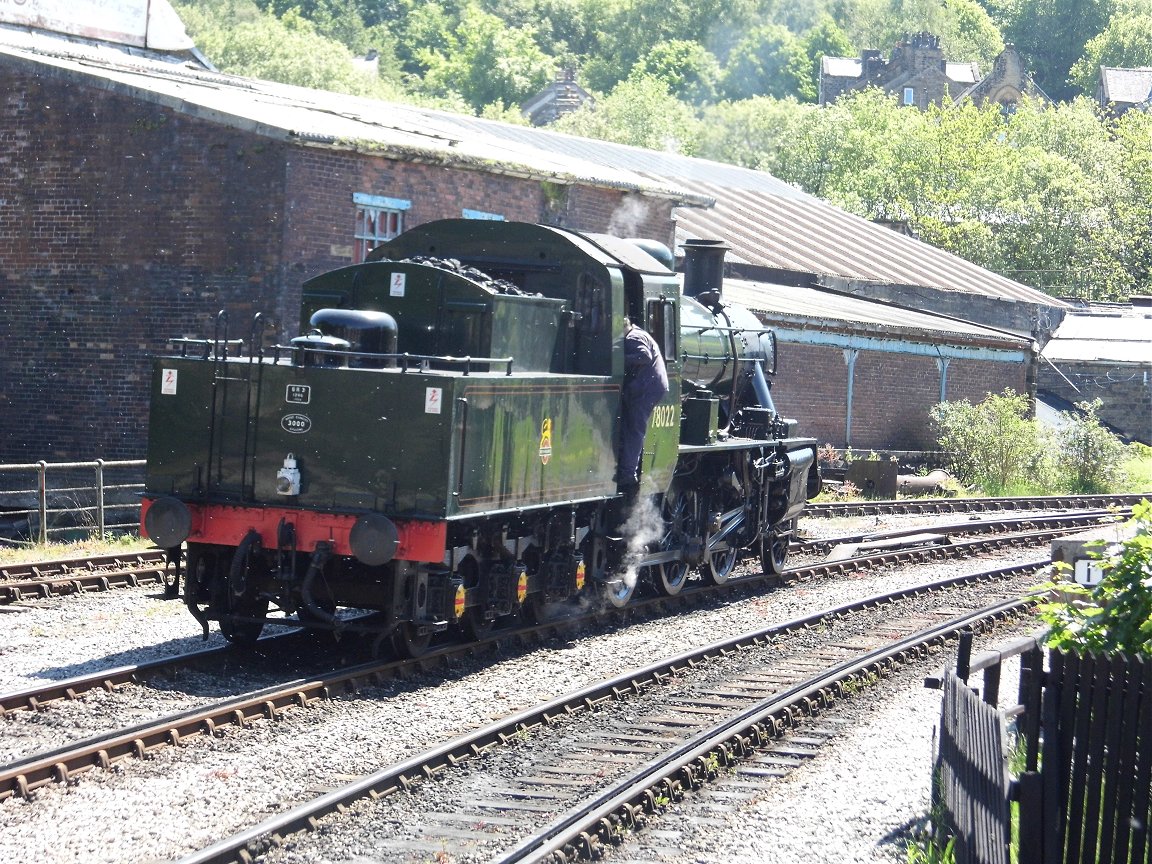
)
(852, 67)
(315, 117)
(1103, 333)
(1129, 86)
(823, 309)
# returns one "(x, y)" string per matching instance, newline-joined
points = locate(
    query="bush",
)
(991, 444)
(1089, 457)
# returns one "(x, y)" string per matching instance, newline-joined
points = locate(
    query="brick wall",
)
(892, 393)
(1126, 392)
(124, 223)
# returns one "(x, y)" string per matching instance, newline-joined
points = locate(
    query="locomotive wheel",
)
(475, 626)
(679, 525)
(408, 643)
(618, 589)
(774, 549)
(718, 566)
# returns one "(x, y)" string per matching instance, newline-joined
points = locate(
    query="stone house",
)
(561, 96)
(918, 74)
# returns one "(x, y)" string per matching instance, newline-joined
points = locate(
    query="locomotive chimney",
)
(704, 267)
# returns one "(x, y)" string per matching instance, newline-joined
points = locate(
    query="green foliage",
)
(991, 444)
(1126, 42)
(243, 40)
(768, 61)
(1115, 615)
(1051, 35)
(1089, 456)
(639, 111)
(483, 61)
(1049, 195)
(932, 851)
(684, 67)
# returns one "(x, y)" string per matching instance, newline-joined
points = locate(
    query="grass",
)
(1138, 472)
(124, 545)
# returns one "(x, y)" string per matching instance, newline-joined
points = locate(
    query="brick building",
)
(864, 374)
(140, 193)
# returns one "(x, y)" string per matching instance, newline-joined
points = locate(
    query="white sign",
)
(433, 400)
(1088, 572)
(396, 286)
(167, 376)
(143, 23)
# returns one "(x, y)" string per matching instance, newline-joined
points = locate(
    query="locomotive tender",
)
(437, 447)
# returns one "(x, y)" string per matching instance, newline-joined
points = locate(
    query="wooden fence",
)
(1085, 791)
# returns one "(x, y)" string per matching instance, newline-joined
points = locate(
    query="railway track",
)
(887, 548)
(62, 577)
(57, 578)
(24, 776)
(824, 509)
(559, 781)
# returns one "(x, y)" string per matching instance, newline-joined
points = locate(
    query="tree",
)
(285, 49)
(825, 39)
(1051, 35)
(1126, 43)
(991, 444)
(1089, 456)
(639, 111)
(750, 132)
(485, 62)
(687, 69)
(768, 61)
(967, 32)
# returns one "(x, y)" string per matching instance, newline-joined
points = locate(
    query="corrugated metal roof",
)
(813, 308)
(771, 223)
(1109, 337)
(320, 118)
(808, 235)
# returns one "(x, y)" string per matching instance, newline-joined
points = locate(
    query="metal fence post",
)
(100, 497)
(42, 499)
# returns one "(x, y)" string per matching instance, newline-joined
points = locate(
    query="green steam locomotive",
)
(437, 447)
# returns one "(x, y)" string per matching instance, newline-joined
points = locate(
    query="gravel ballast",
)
(182, 798)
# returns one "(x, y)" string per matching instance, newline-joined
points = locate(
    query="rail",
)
(41, 500)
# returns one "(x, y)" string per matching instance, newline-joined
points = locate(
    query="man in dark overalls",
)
(645, 383)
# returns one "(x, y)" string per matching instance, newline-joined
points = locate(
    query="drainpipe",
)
(850, 355)
(942, 368)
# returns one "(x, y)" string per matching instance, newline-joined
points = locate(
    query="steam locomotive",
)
(436, 449)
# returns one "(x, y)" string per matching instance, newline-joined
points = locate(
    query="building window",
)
(378, 219)
(909, 96)
(480, 214)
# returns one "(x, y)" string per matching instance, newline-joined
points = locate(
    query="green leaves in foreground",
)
(1114, 616)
